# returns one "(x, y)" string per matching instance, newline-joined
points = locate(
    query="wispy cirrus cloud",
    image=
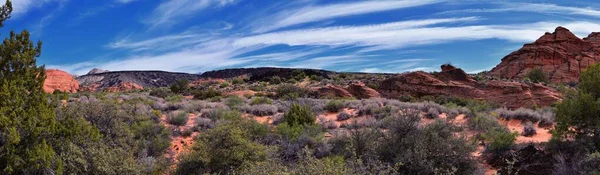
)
(545, 8)
(169, 12)
(331, 11)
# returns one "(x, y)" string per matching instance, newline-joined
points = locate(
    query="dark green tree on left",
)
(27, 121)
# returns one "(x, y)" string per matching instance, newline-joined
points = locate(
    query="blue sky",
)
(367, 36)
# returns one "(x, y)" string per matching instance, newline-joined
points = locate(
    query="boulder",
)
(360, 90)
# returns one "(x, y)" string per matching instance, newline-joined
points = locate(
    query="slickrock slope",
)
(60, 80)
(454, 82)
(131, 80)
(561, 56)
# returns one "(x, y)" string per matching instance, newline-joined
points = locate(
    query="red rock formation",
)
(60, 80)
(124, 86)
(508, 94)
(330, 91)
(561, 56)
(359, 90)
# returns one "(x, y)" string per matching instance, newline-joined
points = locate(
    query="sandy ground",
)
(542, 135)
(179, 144)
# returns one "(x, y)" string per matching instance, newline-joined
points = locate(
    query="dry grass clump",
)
(204, 123)
(528, 130)
(544, 116)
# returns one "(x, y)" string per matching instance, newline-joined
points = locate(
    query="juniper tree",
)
(26, 119)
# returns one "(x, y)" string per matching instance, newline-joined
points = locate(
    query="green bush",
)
(299, 115)
(224, 85)
(334, 106)
(275, 80)
(161, 92)
(177, 118)
(290, 91)
(234, 101)
(211, 93)
(180, 86)
(499, 140)
(261, 100)
(537, 75)
(220, 151)
(237, 80)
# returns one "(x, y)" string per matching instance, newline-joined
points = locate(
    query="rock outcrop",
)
(264, 73)
(124, 87)
(96, 71)
(60, 80)
(116, 80)
(560, 55)
(454, 82)
(360, 90)
(330, 91)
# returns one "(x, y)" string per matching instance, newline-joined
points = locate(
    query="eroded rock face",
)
(330, 91)
(124, 87)
(115, 80)
(60, 80)
(360, 90)
(505, 93)
(561, 55)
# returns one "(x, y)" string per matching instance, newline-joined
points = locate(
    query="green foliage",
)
(220, 150)
(299, 115)
(234, 101)
(499, 139)
(180, 86)
(237, 80)
(27, 122)
(260, 100)
(334, 106)
(174, 98)
(161, 92)
(275, 80)
(206, 94)
(578, 115)
(224, 85)
(537, 75)
(177, 118)
(290, 91)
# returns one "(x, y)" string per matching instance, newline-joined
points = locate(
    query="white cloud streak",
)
(320, 13)
(167, 13)
(533, 7)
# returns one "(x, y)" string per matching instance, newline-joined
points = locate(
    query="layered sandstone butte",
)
(560, 55)
(60, 80)
(454, 82)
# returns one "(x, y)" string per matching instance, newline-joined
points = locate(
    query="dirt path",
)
(179, 144)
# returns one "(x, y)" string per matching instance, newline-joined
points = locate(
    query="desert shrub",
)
(174, 98)
(433, 148)
(260, 110)
(482, 123)
(206, 94)
(528, 129)
(537, 75)
(186, 132)
(519, 114)
(343, 116)
(260, 100)
(161, 92)
(220, 150)
(180, 86)
(275, 80)
(204, 123)
(290, 91)
(432, 113)
(367, 109)
(334, 106)
(385, 111)
(234, 101)
(299, 115)
(237, 80)
(177, 118)
(277, 119)
(352, 104)
(499, 140)
(224, 85)
(546, 117)
(329, 125)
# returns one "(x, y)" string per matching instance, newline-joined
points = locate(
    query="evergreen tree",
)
(27, 121)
